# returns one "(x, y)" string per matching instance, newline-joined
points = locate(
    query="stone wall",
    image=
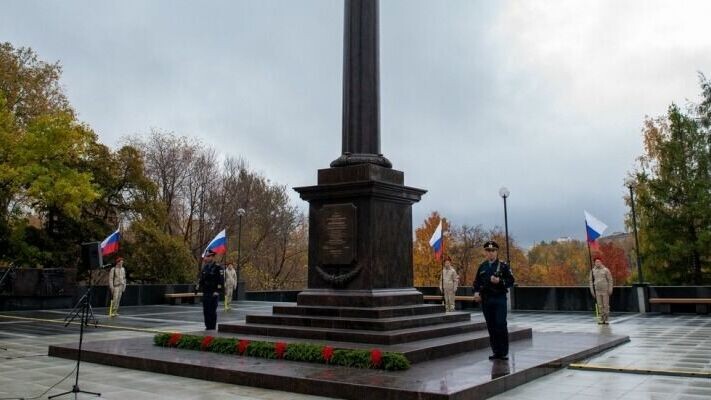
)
(570, 298)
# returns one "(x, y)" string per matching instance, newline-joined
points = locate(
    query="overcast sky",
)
(546, 98)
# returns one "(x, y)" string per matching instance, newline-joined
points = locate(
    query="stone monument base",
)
(379, 317)
(468, 375)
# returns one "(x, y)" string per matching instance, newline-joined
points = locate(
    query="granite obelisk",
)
(360, 278)
(360, 236)
(361, 86)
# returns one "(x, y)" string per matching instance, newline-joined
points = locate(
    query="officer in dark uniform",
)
(493, 278)
(212, 280)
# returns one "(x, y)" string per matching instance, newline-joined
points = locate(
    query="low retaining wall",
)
(273, 295)
(135, 295)
(143, 295)
(678, 292)
(534, 298)
(570, 298)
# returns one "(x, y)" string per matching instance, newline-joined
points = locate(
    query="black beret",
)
(491, 245)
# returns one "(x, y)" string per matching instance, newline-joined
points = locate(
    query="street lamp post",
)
(636, 239)
(504, 193)
(240, 214)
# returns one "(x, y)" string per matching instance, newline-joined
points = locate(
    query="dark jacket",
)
(482, 281)
(212, 279)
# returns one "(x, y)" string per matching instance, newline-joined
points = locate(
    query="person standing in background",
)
(448, 284)
(117, 285)
(230, 284)
(601, 285)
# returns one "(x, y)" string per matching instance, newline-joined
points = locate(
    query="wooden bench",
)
(177, 298)
(702, 304)
(430, 298)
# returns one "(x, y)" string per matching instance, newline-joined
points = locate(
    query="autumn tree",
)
(518, 261)
(153, 256)
(44, 185)
(464, 244)
(465, 248)
(201, 196)
(673, 194)
(615, 259)
(30, 86)
(29, 89)
(170, 194)
(427, 269)
(557, 263)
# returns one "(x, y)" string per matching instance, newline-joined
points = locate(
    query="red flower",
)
(376, 357)
(206, 343)
(327, 353)
(174, 339)
(242, 346)
(279, 349)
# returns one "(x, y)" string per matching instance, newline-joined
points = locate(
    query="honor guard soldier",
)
(493, 278)
(117, 285)
(212, 279)
(601, 285)
(230, 284)
(448, 284)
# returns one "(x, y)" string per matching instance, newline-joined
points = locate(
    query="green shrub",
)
(161, 339)
(303, 352)
(261, 349)
(223, 345)
(190, 342)
(295, 351)
(395, 362)
(351, 358)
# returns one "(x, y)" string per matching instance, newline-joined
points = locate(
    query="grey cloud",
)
(468, 103)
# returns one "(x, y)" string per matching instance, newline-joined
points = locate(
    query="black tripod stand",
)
(84, 311)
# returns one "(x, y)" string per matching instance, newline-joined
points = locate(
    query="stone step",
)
(369, 324)
(359, 312)
(352, 335)
(426, 350)
(416, 352)
(466, 376)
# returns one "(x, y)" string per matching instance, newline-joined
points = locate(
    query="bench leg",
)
(702, 308)
(665, 308)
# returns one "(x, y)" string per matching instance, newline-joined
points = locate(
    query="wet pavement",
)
(660, 344)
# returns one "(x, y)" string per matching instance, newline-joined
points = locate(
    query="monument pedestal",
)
(360, 272)
(360, 237)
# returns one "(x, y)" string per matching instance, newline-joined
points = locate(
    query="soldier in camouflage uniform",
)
(448, 284)
(601, 288)
(230, 284)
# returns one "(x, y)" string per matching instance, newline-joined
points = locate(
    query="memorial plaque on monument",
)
(338, 232)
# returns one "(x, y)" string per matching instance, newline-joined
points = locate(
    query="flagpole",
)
(227, 249)
(592, 276)
(442, 274)
(224, 270)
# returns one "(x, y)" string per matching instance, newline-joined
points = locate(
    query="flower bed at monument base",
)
(288, 351)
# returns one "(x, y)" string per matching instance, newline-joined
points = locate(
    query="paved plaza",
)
(669, 357)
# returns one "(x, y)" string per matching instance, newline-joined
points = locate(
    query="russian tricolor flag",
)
(593, 227)
(111, 244)
(437, 241)
(218, 244)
